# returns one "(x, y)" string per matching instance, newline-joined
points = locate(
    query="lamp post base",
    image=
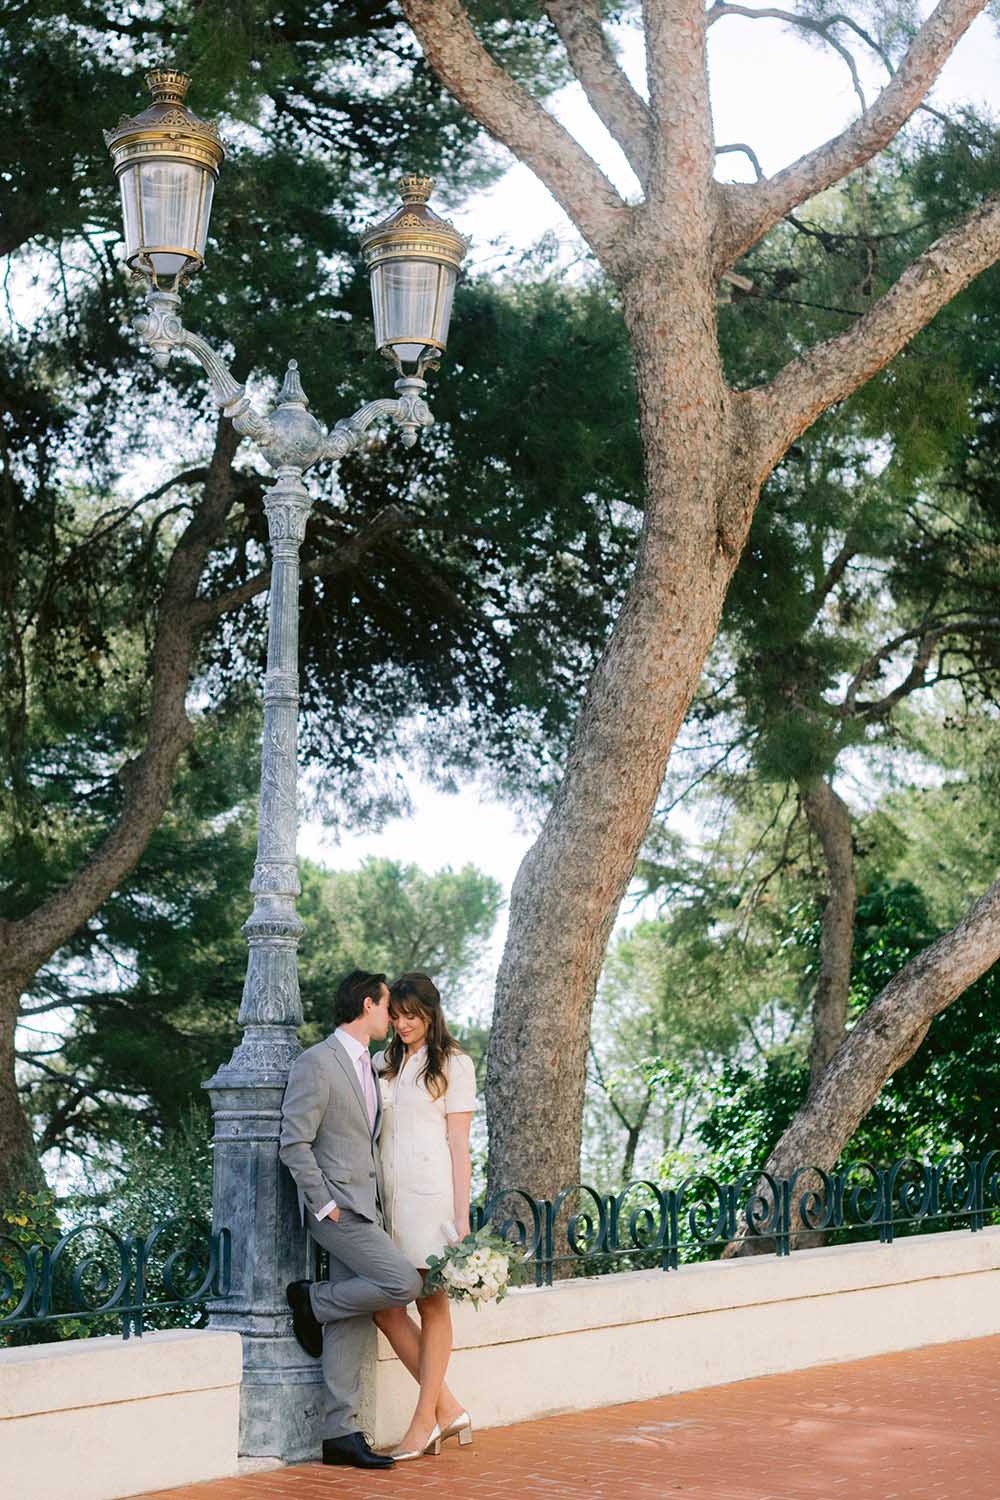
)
(281, 1397)
(281, 1403)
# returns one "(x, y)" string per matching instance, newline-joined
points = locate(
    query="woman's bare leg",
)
(435, 1352)
(404, 1336)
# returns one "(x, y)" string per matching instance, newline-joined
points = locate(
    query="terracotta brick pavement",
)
(924, 1425)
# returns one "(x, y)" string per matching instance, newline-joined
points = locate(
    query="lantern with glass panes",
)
(413, 259)
(167, 163)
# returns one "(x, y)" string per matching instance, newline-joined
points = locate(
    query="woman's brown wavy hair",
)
(417, 995)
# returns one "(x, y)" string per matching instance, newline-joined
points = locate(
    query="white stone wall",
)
(96, 1419)
(589, 1343)
(99, 1419)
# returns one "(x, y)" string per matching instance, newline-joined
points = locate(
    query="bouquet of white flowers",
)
(476, 1269)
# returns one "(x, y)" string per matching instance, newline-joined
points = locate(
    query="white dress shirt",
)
(361, 1058)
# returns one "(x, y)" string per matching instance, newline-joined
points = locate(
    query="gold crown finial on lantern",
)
(415, 189)
(167, 85)
(167, 120)
(413, 229)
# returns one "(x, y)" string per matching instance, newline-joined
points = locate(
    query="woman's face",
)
(411, 1028)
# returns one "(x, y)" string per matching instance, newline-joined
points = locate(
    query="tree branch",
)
(147, 780)
(804, 389)
(519, 122)
(915, 678)
(388, 520)
(747, 212)
(747, 151)
(887, 1036)
(681, 189)
(806, 23)
(928, 636)
(623, 112)
(834, 573)
(66, 1115)
(72, 1002)
(830, 819)
(32, 1058)
(109, 522)
(607, 1091)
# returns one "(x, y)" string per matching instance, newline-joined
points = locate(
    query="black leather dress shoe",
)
(353, 1448)
(307, 1330)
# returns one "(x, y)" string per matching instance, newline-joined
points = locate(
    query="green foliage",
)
(892, 925)
(876, 534)
(871, 531)
(943, 838)
(685, 996)
(154, 1176)
(136, 1053)
(154, 981)
(749, 1108)
(30, 1220)
(395, 917)
(945, 1099)
(464, 641)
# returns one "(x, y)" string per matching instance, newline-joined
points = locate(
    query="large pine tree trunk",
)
(830, 819)
(20, 1168)
(570, 885)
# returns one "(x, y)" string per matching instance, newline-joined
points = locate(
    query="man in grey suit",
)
(330, 1124)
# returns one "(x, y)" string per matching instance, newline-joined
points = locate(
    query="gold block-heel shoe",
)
(432, 1445)
(460, 1428)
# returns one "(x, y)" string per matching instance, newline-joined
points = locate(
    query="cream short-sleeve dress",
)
(413, 1144)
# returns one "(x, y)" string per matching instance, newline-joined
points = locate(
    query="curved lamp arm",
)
(160, 329)
(289, 436)
(410, 412)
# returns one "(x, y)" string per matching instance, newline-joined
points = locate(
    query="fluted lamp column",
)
(281, 1394)
(167, 161)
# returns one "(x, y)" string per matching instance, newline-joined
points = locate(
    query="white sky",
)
(769, 90)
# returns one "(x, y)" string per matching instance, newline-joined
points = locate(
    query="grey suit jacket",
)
(326, 1142)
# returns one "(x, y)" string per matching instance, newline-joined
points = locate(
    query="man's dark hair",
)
(349, 1000)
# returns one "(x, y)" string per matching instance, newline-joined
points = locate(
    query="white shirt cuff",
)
(322, 1213)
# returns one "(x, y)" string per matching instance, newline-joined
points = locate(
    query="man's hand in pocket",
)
(334, 1215)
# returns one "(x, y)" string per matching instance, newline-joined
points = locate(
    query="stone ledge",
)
(634, 1297)
(96, 1419)
(105, 1371)
(590, 1343)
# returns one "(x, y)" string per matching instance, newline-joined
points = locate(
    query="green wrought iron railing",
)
(582, 1231)
(93, 1273)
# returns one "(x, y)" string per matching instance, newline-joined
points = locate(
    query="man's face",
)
(378, 1015)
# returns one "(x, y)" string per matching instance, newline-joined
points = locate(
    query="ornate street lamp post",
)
(167, 162)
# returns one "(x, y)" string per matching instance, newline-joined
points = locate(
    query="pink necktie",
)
(368, 1083)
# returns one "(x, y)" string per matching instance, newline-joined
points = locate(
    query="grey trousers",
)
(367, 1273)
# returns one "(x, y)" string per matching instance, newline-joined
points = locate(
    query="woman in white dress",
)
(428, 1089)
